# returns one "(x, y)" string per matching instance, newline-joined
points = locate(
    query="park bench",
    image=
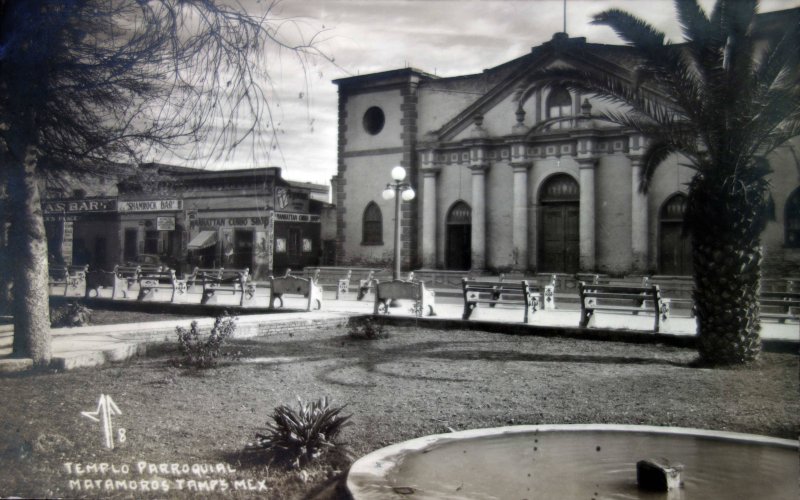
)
(367, 278)
(386, 291)
(786, 284)
(67, 281)
(780, 305)
(330, 278)
(162, 286)
(499, 292)
(126, 282)
(620, 298)
(543, 284)
(230, 287)
(294, 285)
(678, 290)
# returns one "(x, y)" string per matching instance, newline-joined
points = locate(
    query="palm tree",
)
(723, 102)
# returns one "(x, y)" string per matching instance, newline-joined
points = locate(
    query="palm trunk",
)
(726, 221)
(28, 251)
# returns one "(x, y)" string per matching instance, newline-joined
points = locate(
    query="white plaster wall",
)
(437, 106)
(613, 222)
(497, 121)
(366, 178)
(499, 215)
(357, 138)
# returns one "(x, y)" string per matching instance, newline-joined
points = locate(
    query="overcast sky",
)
(447, 38)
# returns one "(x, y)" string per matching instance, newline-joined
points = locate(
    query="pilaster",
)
(519, 217)
(587, 214)
(639, 216)
(478, 241)
(429, 194)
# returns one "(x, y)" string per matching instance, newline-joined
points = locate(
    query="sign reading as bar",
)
(79, 206)
(149, 205)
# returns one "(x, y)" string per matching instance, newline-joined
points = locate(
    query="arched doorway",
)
(675, 251)
(558, 232)
(791, 220)
(459, 237)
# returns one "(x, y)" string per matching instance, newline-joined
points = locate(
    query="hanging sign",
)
(165, 223)
(66, 243)
(149, 205)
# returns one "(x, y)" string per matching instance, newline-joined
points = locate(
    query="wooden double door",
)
(559, 237)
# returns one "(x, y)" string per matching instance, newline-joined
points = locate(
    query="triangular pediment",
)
(516, 75)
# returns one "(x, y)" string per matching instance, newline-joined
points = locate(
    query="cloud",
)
(448, 38)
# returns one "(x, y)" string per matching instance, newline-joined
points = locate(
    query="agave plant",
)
(723, 101)
(298, 437)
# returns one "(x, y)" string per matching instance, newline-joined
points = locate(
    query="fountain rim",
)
(377, 465)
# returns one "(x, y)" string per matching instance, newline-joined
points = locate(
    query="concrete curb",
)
(96, 345)
(15, 365)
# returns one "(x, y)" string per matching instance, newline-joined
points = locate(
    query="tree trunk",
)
(28, 256)
(726, 221)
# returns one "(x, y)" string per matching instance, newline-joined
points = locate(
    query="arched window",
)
(792, 220)
(559, 105)
(372, 227)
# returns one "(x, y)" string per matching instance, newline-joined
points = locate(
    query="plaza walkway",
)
(94, 345)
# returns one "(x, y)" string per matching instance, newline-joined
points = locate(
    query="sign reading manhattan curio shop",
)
(149, 205)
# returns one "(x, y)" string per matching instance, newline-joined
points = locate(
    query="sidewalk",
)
(95, 345)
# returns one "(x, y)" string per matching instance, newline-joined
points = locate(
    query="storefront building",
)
(189, 218)
(82, 231)
(239, 219)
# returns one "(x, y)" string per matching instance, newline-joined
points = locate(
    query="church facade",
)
(511, 178)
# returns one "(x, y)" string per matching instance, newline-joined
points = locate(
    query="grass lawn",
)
(412, 383)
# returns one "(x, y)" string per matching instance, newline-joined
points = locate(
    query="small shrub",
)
(201, 351)
(70, 314)
(366, 328)
(295, 438)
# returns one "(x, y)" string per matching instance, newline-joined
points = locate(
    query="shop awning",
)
(203, 240)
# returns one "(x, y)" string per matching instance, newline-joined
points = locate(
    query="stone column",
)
(519, 229)
(639, 260)
(429, 218)
(587, 214)
(478, 241)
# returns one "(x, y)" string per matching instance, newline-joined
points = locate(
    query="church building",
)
(507, 176)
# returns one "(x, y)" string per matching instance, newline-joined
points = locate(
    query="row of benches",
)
(228, 287)
(232, 287)
(626, 298)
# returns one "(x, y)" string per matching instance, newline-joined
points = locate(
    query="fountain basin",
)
(577, 461)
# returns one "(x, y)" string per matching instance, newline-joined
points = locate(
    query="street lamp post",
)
(398, 190)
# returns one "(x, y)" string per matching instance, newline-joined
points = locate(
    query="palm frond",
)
(778, 109)
(631, 29)
(654, 155)
(780, 59)
(702, 36)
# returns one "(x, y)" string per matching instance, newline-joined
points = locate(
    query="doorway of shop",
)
(242, 249)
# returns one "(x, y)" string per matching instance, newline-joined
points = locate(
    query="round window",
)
(374, 120)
